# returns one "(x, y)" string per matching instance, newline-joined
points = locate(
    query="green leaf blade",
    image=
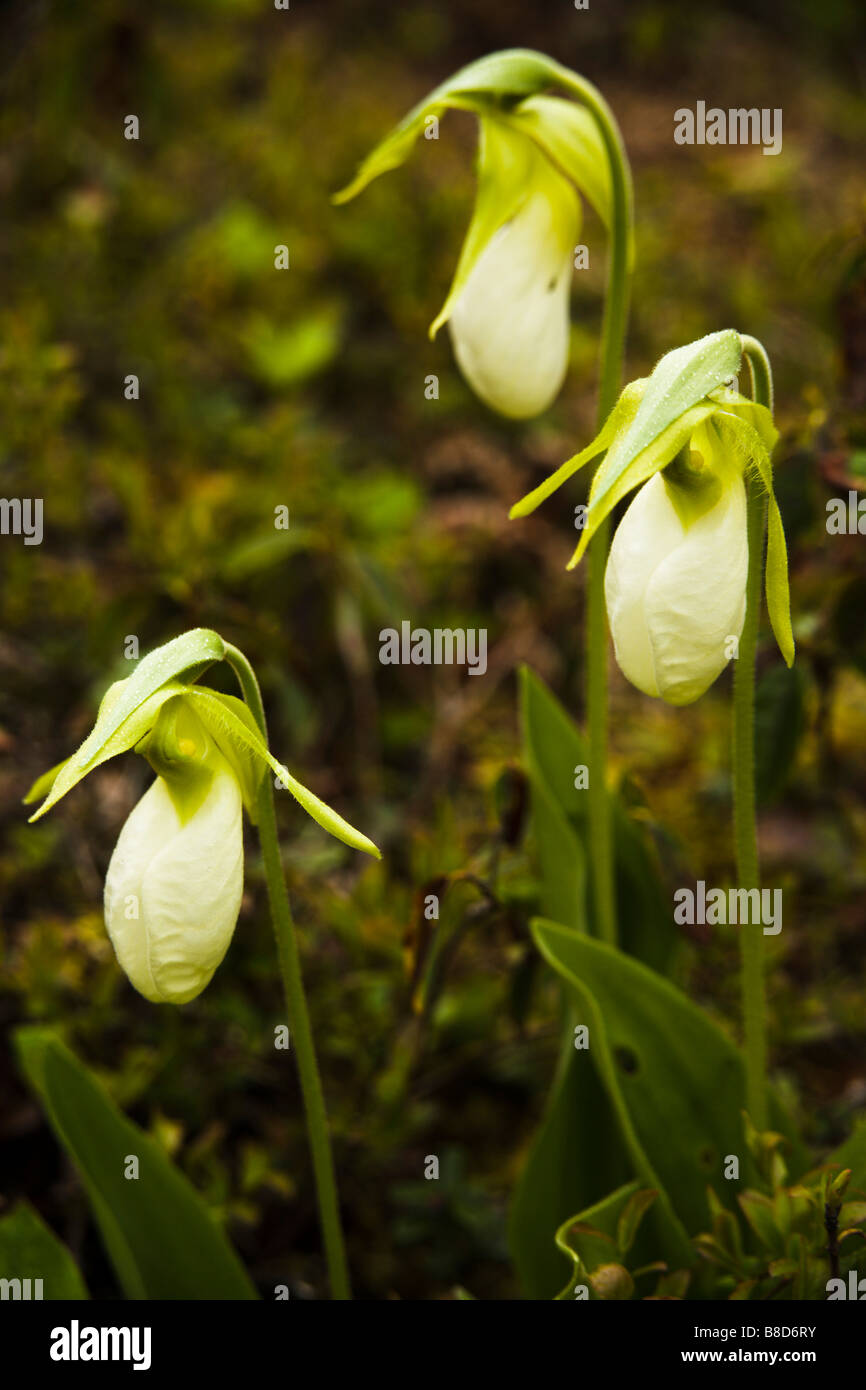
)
(677, 1082)
(30, 1250)
(158, 1232)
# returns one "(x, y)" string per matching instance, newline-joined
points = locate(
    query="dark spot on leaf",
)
(626, 1060)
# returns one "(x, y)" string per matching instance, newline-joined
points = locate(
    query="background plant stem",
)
(296, 1002)
(616, 308)
(752, 984)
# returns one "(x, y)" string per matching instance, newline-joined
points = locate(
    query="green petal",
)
(757, 416)
(569, 135)
(42, 786)
(247, 765)
(225, 725)
(776, 581)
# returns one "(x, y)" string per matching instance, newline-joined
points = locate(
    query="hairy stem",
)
(296, 1002)
(610, 376)
(752, 984)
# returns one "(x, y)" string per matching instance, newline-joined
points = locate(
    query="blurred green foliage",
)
(305, 388)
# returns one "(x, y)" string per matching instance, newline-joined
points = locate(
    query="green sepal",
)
(512, 85)
(647, 426)
(751, 443)
(106, 740)
(226, 726)
(42, 786)
(512, 73)
(612, 480)
(678, 382)
(619, 418)
(129, 708)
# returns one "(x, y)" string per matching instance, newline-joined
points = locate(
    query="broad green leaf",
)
(553, 748)
(645, 923)
(779, 722)
(676, 1081)
(852, 1154)
(156, 1229)
(578, 1150)
(561, 858)
(552, 752)
(30, 1250)
(590, 1238)
(619, 418)
(576, 1153)
(648, 1094)
(115, 730)
(510, 171)
(846, 627)
(284, 355)
(225, 725)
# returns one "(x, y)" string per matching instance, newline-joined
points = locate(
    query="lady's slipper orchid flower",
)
(508, 306)
(509, 319)
(173, 887)
(675, 588)
(174, 884)
(675, 583)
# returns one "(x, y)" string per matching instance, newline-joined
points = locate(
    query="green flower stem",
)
(753, 992)
(595, 660)
(610, 376)
(296, 1003)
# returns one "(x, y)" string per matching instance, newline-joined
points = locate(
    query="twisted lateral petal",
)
(676, 593)
(510, 324)
(173, 889)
